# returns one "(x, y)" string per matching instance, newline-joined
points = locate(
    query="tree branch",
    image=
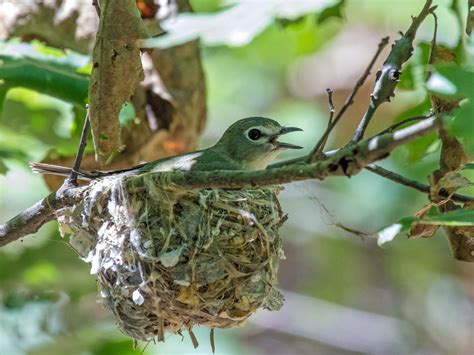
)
(319, 147)
(346, 161)
(72, 179)
(399, 179)
(349, 101)
(30, 220)
(388, 76)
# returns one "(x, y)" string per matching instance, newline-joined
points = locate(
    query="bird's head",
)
(253, 142)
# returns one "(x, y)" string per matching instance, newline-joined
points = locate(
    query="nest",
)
(168, 258)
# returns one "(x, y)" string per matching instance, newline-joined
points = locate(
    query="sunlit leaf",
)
(205, 5)
(10, 153)
(41, 273)
(127, 114)
(454, 81)
(418, 148)
(116, 347)
(463, 124)
(3, 167)
(413, 74)
(334, 11)
(441, 85)
(459, 217)
(235, 26)
(45, 70)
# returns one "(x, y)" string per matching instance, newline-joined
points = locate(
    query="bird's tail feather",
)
(41, 168)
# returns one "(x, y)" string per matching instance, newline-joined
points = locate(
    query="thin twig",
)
(469, 17)
(414, 184)
(72, 179)
(211, 338)
(388, 76)
(432, 47)
(331, 104)
(393, 127)
(319, 147)
(349, 101)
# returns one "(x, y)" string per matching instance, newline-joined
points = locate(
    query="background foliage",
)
(344, 295)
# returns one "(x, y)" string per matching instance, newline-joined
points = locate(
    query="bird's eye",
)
(254, 134)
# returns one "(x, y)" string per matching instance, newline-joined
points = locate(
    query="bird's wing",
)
(204, 160)
(181, 163)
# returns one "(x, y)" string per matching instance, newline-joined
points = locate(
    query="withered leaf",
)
(117, 71)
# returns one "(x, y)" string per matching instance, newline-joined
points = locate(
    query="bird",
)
(248, 144)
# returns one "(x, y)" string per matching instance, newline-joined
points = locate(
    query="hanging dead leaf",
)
(418, 230)
(117, 71)
(449, 184)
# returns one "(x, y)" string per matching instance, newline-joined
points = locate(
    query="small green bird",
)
(248, 144)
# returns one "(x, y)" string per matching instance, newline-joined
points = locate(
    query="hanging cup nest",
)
(168, 258)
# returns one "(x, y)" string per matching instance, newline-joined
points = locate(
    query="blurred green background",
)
(344, 295)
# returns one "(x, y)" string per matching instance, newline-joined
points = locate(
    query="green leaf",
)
(468, 166)
(248, 19)
(407, 79)
(418, 148)
(462, 125)
(3, 93)
(456, 82)
(44, 69)
(459, 217)
(127, 114)
(331, 12)
(10, 153)
(452, 81)
(41, 273)
(3, 167)
(413, 74)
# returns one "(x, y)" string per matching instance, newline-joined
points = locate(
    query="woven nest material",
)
(167, 258)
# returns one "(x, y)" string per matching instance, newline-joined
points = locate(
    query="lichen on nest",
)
(168, 258)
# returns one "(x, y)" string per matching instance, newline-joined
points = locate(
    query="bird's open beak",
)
(283, 145)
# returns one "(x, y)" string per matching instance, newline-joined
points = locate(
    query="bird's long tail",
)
(41, 168)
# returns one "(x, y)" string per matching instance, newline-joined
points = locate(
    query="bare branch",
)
(469, 17)
(331, 104)
(414, 184)
(72, 179)
(349, 101)
(31, 220)
(388, 76)
(319, 147)
(346, 161)
(432, 56)
(393, 127)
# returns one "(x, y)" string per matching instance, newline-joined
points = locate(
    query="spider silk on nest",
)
(168, 258)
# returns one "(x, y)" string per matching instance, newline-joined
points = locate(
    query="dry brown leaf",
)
(423, 230)
(449, 184)
(117, 71)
